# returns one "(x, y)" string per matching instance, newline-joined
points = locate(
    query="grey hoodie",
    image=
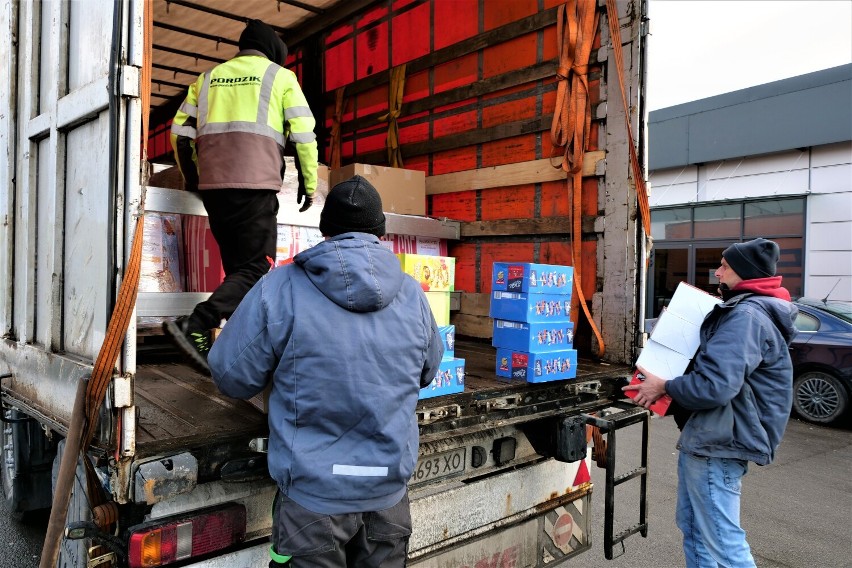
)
(348, 340)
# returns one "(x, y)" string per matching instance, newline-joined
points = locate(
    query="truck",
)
(527, 118)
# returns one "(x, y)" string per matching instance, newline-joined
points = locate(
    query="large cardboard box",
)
(531, 308)
(675, 338)
(403, 191)
(448, 380)
(532, 278)
(434, 273)
(411, 244)
(448, 338)
(536, 367)
(539, 337)
(440, 304)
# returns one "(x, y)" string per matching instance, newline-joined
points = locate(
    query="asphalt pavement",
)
(797, 512)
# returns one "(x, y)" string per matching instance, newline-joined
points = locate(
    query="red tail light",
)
(169, 540)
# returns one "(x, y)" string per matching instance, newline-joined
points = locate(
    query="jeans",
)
(708, 512)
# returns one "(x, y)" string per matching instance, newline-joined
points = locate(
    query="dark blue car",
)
(822, 360)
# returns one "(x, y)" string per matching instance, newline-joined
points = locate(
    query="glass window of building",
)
(778, 216)
(671, 224)
(717, 221)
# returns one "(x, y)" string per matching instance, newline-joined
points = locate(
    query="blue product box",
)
(448, 338)
(536, 367)
(531, 308)
(533, 337)
(532, 278)
(448, 380)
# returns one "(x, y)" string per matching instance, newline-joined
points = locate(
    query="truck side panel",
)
(66, 197)
(480, 97)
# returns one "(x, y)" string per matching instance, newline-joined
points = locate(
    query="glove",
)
(308, 201)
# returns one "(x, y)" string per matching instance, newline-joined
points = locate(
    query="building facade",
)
(771, 161)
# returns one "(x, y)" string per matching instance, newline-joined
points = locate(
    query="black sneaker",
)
(192, 340)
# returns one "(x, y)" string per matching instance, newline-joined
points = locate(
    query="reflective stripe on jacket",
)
(239, 115)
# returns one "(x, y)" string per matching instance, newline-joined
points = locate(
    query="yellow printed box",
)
(434, 273)
(440, 304)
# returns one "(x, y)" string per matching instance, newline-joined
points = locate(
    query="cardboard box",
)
(536, 367)
(661, 406)
(539, 337)
(434, 273)
(448, 338)
(292, 240)
(532, 278)
(448, 380)
(531, 308)
(440, 304)
(411, 244)
(676, 336)
(204, 264)
(403, 191)
(161, 269)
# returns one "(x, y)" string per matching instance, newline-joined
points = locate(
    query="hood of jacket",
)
(353, 270)
(782, 313)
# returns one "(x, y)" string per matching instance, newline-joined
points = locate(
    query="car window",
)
(806, 322)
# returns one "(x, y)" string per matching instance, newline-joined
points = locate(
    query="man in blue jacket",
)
(347, 341)
(739, 392)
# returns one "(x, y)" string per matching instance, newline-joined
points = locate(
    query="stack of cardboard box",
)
(436, 275)
(533, 332)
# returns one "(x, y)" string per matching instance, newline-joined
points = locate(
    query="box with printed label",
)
(448, 338)
(434, 273)
(536, 367)
(532, 308)
(440, 304)
(448, 380)
(532, 278)
(412, 244)
(402, 191)
(676, 336)
(523, 336)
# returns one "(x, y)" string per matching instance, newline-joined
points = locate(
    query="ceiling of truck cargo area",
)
(190, 37)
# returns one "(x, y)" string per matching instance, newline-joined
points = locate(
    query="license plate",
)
(439, 465)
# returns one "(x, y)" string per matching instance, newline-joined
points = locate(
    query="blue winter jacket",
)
(741, 387)
(347, 340)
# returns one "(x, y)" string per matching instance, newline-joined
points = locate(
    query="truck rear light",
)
(170, 540)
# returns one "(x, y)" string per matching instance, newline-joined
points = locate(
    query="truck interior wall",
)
(480, 91)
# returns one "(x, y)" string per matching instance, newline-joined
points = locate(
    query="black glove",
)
(308, 201)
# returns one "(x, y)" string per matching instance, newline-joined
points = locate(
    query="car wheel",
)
(819, 397)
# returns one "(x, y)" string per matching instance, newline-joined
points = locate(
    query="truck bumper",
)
(257, 555)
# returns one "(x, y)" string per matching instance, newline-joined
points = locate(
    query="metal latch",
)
(102, 560)
(260, 445)
(428, 415)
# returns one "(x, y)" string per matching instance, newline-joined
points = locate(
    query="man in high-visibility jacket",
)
(228, 137)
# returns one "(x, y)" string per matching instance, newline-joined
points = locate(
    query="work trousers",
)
(708, 512)
(377, 539)
(243, 222)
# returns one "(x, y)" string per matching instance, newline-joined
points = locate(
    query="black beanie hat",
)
(754, 259)
(353, 205)
(261, 37)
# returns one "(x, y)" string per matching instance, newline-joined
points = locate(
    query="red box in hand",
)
(661, 406)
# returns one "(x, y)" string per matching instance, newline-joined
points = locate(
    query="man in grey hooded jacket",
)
(739, 393)
(347, 341)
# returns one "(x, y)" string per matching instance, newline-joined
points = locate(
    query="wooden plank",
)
(534, 171)
(473, 326)
(539, 226)
(476, 89)
(469, 138)
(475, 304)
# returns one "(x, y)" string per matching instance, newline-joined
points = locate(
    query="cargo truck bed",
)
(179, 408)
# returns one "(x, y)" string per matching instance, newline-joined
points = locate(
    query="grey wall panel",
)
(809, 110)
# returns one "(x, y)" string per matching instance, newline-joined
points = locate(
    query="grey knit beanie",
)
(353, 205)
(753, 259)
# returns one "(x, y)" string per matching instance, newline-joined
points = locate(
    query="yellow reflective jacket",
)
(235, 121)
